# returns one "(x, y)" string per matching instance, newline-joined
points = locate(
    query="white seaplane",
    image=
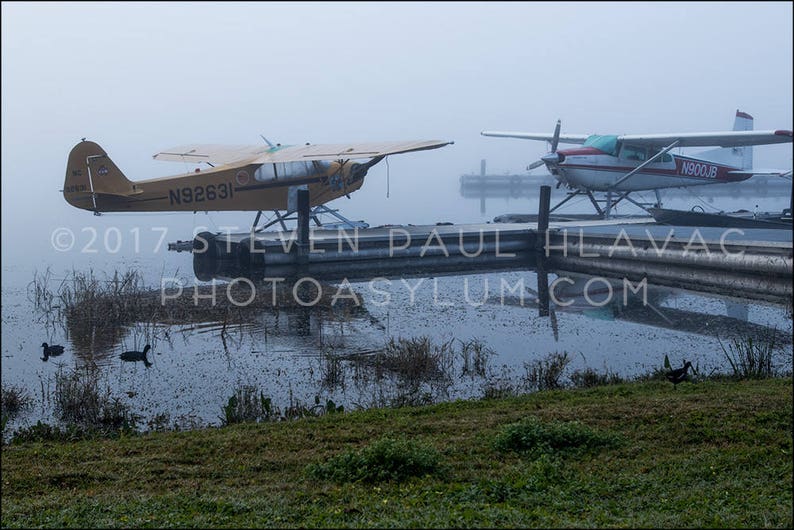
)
(619, 165)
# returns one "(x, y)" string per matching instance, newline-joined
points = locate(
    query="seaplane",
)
(614, 166)
(257, 178)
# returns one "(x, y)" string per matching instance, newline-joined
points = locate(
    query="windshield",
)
(607, 143)
(295, 169)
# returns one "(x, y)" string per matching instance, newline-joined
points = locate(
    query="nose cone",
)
(552, 158)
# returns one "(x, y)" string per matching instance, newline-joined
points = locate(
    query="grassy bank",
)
(638, 454)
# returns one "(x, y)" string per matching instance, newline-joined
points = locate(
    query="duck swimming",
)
(51, 351)
(134, 356)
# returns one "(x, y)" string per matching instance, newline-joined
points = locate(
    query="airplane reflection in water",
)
(604, 298)
(96, 341)
(617, 299)
(297, 327)
(483, 186)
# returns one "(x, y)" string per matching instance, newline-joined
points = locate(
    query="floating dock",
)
(746, 262)
(365, 251)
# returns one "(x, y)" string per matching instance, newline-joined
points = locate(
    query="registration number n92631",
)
(193, 194)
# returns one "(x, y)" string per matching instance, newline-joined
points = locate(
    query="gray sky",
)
(141, 77)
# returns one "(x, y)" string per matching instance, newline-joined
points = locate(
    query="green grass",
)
(535, 436)
(387, 459)
(715, 453)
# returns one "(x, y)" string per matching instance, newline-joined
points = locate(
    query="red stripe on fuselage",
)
(684, 167)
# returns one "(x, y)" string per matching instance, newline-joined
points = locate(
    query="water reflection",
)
(613, 299)
(418, 348)
(153, 316)
(685, 306)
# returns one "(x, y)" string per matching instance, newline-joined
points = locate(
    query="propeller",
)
(552, 157)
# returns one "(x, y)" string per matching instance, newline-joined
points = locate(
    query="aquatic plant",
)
(499, 388)
(751, 359)
(79, 401)
(475, 355)
(297, 409)
(589, 377)
(246, 405)
(15, 402)
(545, 373)
(332, 371)
(416, 359)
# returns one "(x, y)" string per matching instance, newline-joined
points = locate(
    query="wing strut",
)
(641, 166)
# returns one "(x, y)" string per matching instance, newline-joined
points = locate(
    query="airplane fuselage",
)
(588, 168)
(95, 183)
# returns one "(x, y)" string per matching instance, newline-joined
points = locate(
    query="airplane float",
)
(239, 178)
(619, 165)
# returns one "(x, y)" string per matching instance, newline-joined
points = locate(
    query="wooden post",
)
(543, 216)
(303, 226)
(543, 287)
(543, 208)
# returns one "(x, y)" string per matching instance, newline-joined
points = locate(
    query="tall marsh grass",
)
(82, 401)
(751, 359)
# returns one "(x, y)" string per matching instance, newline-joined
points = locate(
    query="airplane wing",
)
(564, 138)
(721, 139)
(345, 151)
(211, 153)
(261, 154)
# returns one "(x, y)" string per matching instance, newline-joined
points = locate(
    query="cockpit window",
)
(641, 153)
(662, 159)
(637, 153)
(607, 143)
(286, 170)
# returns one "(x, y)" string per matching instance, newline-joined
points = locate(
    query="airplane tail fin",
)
(741, 157)
(90, 175)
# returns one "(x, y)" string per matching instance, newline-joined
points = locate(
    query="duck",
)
(133, 356)
(679, 374)
(51, 351)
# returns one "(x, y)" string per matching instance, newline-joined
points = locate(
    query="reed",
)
(546, 373)
(751, 359)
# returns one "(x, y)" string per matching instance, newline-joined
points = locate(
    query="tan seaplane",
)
(236, 178)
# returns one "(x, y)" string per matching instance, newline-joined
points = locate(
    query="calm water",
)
(196, 365)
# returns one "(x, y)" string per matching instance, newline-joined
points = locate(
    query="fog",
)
(139, 78)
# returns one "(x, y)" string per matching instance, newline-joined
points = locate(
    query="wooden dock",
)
(748, 263)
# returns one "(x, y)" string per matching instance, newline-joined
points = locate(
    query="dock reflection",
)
(620, 299)
(304, 307)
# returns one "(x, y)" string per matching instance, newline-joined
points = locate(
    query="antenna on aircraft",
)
(267, 141)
